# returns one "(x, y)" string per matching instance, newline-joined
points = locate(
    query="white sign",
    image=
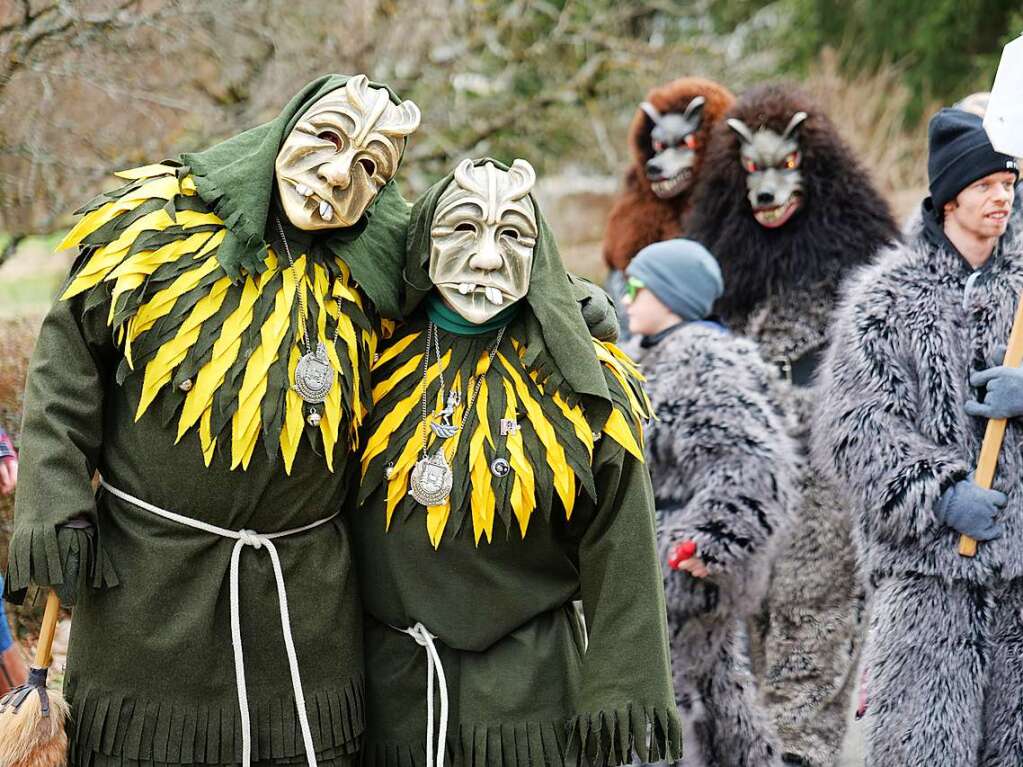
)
(1004, 120)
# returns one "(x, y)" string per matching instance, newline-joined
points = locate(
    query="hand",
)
(597, 308)
(1003, 397)
(971, 510)
(683, 557)
(74, 542)
(8, 474)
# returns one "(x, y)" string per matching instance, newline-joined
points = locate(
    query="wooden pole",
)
(44, 650)
(995, 432)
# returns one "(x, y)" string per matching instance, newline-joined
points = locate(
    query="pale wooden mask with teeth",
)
(483, 233)
(343, 150)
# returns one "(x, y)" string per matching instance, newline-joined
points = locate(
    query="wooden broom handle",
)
(995, 432)
(44, 654)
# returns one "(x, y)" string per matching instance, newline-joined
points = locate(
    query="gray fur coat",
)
(723, 465)
(890, 422)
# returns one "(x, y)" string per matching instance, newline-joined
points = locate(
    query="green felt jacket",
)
(527, 683)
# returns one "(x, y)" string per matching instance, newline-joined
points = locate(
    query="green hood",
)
(558, 343)
(236, 178)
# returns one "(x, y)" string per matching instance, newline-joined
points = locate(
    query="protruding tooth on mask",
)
(304, 190)
(495, 296)
(466, 288)
(326, 212)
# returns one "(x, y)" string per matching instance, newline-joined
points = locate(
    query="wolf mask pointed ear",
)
(651, 111)
(741, 129)
(797, 119)
(695, 109)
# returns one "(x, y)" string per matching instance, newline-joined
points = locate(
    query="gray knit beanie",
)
(682, 274)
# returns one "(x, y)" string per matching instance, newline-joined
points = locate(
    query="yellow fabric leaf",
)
(294, 417)
(106, 258)
(390, 353)
(225, 351)
(245, 421)
(579, 423)
(163, 301)
(523, 488)
(482, 501)
(330, 420)
(163, 187)
(564, 478)
(146, 171)
(618, 429)
(160, 369)
(397, 485)
(378, 439)
(206, 438)
(384, 387)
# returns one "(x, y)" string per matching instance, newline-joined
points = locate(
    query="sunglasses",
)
(632, 287)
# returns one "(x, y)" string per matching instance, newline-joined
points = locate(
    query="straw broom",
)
(32, 717)
(995, 432)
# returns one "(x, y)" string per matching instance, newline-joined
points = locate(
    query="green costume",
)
(487, 578)
(166, 367)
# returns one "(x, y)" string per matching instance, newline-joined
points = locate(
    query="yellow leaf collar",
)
(226, 349)
(547, 453)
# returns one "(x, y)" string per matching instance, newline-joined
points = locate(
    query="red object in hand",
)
(685, 550)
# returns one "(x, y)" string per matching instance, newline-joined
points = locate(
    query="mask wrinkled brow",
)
(382, 115)
(483, 182)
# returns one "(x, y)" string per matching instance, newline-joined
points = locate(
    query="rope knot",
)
(251, 538)
(423, 637)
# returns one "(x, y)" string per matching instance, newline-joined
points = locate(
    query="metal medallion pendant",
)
(314, 375)
(431, 480)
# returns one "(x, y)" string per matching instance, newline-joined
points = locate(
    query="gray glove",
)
(1003, 396)
(74, 541)
(971, 510)
(597, 308)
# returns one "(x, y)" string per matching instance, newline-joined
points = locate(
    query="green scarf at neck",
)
(446, 318)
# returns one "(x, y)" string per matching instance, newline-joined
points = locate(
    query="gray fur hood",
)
(890, 423)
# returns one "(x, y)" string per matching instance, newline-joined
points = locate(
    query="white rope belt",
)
(257, 541)
(433, 668)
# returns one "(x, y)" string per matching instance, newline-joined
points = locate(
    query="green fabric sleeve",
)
(62, 437)
(626, 698)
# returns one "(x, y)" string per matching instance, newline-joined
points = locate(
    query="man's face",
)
(341, 153)
(982, 209)
(483, 233)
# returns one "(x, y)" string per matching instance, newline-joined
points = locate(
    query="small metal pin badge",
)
(389, 471)
(500, 467)
(509, 426)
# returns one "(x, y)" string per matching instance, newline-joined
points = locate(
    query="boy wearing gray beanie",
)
(724, 471)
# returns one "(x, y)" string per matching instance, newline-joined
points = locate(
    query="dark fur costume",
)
(841, 224)
(780, 288)
(639, 217)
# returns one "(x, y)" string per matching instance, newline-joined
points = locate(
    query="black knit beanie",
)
(959, 154)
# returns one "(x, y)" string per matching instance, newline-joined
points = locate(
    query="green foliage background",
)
(946, 48)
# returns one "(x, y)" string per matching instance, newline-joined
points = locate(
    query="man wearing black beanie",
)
(911, 377)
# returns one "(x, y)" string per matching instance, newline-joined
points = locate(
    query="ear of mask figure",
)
(772, 161)
(340, 154)
(483, 233)
(673, 143)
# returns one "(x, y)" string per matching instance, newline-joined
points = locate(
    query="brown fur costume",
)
(639, 217)
(780, 288)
